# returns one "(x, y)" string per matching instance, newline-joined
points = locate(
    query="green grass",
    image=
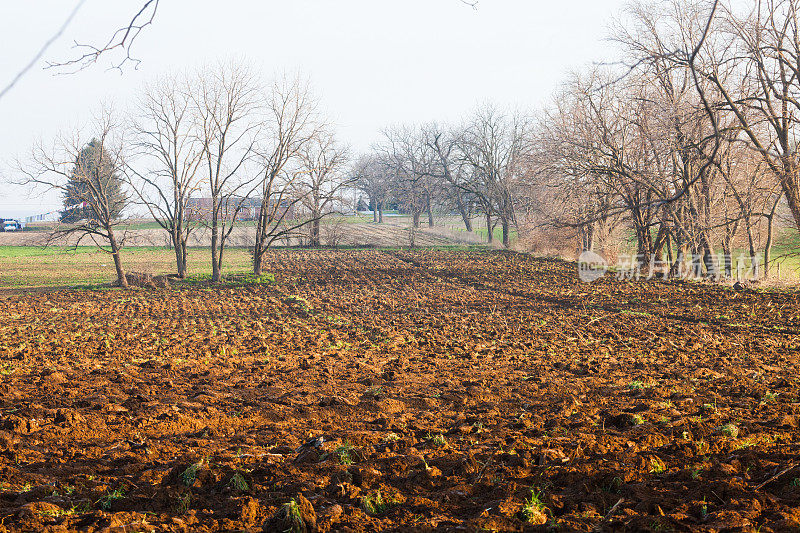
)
(636, 385)
(289, 513)
(14, 252)
(238, 482)
(785, 250)
(533, 507)
(376, 503)
(656, 466)
(346, 454)
(189, 475)
(438, 440)
(498, 234)
(29, 267)
(109, 498)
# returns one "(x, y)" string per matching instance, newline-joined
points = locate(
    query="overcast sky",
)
(372, 62)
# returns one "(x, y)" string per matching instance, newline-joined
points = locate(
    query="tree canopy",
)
(94, 184)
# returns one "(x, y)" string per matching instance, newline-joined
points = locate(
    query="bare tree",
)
(409, 160)
(766, 98)
(291, 123)
(567, 192)
(370, 178)
(167, 173)
(86, 169)
(323, 161)
(743, 61)
(225, 101)
(495, 145)
(451, 170)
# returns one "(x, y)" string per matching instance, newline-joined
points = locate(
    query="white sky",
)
(372, 62)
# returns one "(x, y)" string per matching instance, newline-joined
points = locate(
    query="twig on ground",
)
(776, 476)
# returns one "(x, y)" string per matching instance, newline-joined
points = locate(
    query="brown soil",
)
(445, 387)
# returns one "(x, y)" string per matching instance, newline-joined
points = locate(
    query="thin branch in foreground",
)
(123, 38)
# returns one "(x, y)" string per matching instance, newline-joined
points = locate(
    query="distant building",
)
(248, 209)
(52, 216)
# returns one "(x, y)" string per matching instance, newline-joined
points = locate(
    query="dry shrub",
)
(556, 242)
(142, 279)
(332, 233)
(562, 242)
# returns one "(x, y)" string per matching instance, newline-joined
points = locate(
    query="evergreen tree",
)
(94, 184)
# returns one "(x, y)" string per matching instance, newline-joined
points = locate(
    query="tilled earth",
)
(401, 391)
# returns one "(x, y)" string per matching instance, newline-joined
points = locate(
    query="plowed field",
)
(401, 391)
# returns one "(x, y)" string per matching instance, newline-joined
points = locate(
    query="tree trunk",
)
(415, 217)
(668, 244)
(380, 212)
(180, 261)
(122, 280)
(750, 243)
(215, 252)
(180, 254)
(257, 262)
(506, 233)
(462, 209)
(430, 212)
(712, 270)
(374, 205)
(675, 267)
(789, 185)
(644, 244)
(489, 229)
(258, 253)
(697, 262)
(219, 260)
(586, 238)
(261, 235)
(768, 245)
(726, 251)
(315, 240)
(770, 231)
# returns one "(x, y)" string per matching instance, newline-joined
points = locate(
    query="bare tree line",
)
(250, 151)
(692, 146)
(477, 168)
(687, 144)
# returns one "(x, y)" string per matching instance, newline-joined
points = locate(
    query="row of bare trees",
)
(205, 149)
(691, 144)
(688, 144)
(477, 168)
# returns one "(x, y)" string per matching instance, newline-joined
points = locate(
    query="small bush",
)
(377, 504)
(533, 510)
(238, 482)
(346, 453)
(636, 385)
(289, 514)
